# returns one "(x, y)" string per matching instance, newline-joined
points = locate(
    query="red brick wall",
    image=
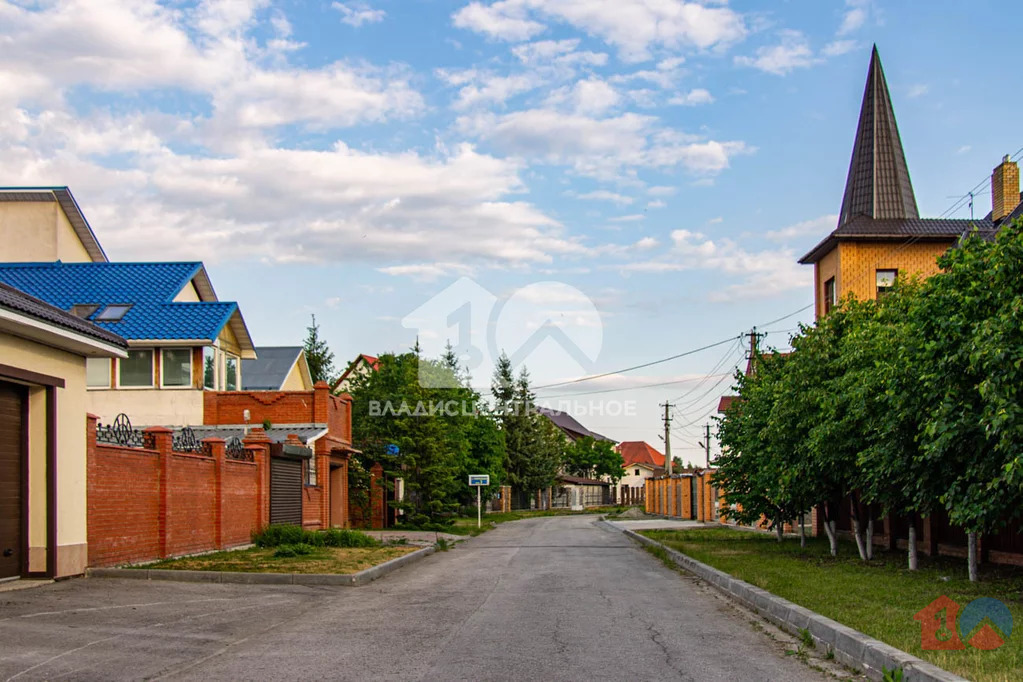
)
(148, 504)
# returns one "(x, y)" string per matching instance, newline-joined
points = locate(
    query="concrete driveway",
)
(556, 598)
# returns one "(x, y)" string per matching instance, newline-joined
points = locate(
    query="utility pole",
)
(667, 437)
(706, 444)
(754, 346)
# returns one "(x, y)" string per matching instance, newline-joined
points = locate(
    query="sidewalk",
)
(646, 524)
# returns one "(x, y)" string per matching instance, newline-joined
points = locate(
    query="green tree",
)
(594, 459)
(318, 355)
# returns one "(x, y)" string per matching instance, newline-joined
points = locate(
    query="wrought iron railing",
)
(186, 441)
(121, 433)
(235, 449)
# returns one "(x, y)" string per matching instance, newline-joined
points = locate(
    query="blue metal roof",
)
(150, 288)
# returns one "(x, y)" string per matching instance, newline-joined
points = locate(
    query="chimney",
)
(1004, 189)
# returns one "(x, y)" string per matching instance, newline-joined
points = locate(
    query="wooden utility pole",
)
(706, 444)
(667, 437)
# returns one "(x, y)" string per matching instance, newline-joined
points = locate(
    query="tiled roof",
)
(150, 288)
(269, 370)
(370, 360)
(640, 452)
(726, 402)
(20, 302)
(579, 480)
(949, 229)
(568, 424)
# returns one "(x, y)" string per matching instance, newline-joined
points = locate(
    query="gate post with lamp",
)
(478, 481)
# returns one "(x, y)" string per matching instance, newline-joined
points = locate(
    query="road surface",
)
(556, 598)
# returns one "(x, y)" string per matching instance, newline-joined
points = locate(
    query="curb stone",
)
(851, 647)
(346, 579)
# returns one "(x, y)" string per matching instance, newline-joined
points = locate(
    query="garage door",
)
(12, 399)
(285, 491)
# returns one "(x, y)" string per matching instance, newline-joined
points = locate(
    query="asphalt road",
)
(556, 598)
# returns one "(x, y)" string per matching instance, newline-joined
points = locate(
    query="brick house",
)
(640, 461)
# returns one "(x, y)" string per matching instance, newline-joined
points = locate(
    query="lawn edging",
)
(346, 579)
(851, 647)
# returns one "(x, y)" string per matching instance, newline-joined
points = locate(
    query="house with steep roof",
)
(45, 224)
(43, 450)
(359, 367)
(182, 340)
(880, 235)
(640, 461)
(277, 368)
(569, 425)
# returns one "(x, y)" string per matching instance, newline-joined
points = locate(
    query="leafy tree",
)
(594, 459)
(318, 355)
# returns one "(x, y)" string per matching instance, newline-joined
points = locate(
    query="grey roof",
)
(921, 229)
(579, 480)
(19, 301)
(63, 196)
(277, 434)
(878, 184)
(270, 368)
(568, 424)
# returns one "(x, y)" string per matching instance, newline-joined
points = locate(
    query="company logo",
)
(984, 624)
(551, 327)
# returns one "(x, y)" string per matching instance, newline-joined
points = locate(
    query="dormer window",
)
(112, 313)
(83, 310)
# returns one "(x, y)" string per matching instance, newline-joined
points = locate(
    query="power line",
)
(785, 317)
(628, 388)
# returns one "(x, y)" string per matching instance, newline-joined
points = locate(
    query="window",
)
(209, 368)
(112, 313)
(97, 372)
(829, 295)
(176, 367)
(136, 369)
(885, 281)
(231, 373)
(83, 310)
(310, 471)
(637, 472)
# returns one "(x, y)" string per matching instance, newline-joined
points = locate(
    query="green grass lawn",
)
(878, 598)
(258, 560)
(466, 525)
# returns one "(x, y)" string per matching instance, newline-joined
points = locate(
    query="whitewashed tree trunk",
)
(829, 528)
(802, 531)
(858, 534)
(971, 539)
(911, 542)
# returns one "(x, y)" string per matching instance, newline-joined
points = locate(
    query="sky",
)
(590, 185)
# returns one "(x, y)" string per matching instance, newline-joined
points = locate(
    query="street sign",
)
(479, 479)
(392, 449)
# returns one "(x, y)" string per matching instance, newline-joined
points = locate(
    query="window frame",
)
(310, 479)
(832, 299)
(215, 357)
(228, 357)
(879, 290)
(152, 370)
(97, 316)
(109, 372)
(163, 368)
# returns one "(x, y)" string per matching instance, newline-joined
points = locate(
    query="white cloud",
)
(918, 90)
(634, 27)
(589, 96)
(694, 97)
(793, 52)
(559, 53)
(965, 149)
(656, 203)
(661, 191)
(817, 226)
(358, 13)
(854, 17)
(486, 88)
(605, 195)
(836, 48)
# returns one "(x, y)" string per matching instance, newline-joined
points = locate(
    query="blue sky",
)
(663, 163)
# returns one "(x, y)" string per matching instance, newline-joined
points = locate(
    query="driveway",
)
(556, 598)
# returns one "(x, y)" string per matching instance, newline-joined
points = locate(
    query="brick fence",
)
(674, 497)
(150, 503)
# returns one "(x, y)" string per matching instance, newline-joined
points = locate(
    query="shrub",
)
(294, 550)
(279, 534)
(343, 537)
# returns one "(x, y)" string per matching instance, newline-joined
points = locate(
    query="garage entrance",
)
(286, 482)
(12, 455)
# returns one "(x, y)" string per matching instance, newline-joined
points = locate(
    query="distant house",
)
(45, 224)
(359, 367)
(277, 368)
(569, 426)
(640, 461)
(182, 340)
(578, 492)
(43, 405)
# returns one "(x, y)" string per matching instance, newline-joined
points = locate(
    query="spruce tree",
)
(318, 355)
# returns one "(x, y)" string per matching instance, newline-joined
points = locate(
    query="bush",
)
(343, 537)
(294, 550)
(279, 534)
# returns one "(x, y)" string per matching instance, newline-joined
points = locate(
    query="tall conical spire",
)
(878, 185)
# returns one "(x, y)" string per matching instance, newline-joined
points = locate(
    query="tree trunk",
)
(779, 528)
(829, 528)
(971, 539)
(859, 538)
(802, 532)
(870, 534)
(911, 543)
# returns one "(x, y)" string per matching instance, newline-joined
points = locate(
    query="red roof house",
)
(640, 452)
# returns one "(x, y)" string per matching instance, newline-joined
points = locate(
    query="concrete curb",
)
(852, 648)
(348, 579)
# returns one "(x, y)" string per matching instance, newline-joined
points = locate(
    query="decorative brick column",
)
(217, 450)
(258, 445)
(162, 442)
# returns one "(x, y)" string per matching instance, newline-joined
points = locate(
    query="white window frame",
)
(237, 372)
(152, 372)
(105, 387)
(163, 367)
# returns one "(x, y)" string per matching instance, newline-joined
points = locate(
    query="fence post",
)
(215, 448)
(162, 442)
(258, 444)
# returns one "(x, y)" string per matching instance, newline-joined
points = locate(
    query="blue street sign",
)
(392, 449)
(479, 479)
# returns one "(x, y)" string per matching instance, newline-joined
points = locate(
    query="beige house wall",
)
(33, 231)
(298, 378)
(187, 295)
(71, 455)
(148, 406)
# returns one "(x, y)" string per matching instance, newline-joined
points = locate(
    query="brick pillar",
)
(216, 448)
(162, 439)
(258, 444)
(321, 400)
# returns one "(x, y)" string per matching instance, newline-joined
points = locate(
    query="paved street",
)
(555, 598)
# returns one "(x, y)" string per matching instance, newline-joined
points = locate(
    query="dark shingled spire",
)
(878, 185)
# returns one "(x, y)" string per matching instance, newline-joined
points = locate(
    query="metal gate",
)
(285, 491)
(12, 445)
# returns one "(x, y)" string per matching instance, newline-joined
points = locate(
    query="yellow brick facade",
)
(854, 265)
